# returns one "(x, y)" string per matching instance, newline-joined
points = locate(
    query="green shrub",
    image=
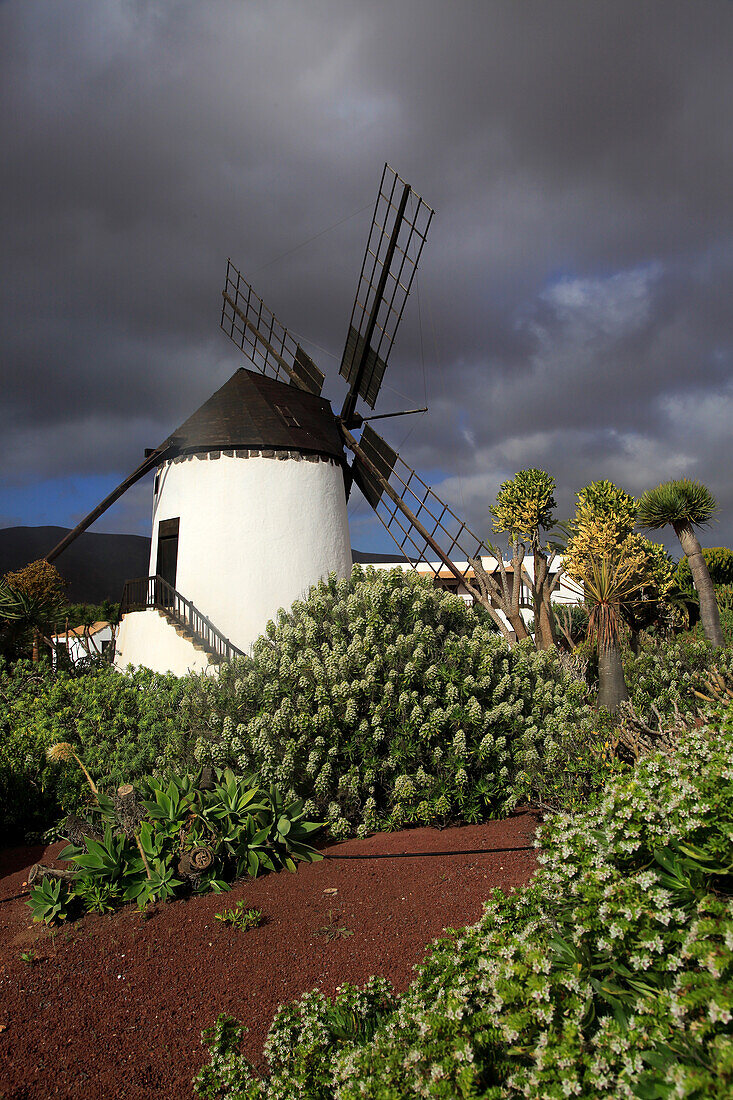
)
(663, 672)
(49, 901)
(719, 560)
(724, 596)
(123, 726)
(385, 701)
(610, 976)
(725, 607)
(240, 917)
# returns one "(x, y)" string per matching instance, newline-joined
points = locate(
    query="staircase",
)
(156, 593)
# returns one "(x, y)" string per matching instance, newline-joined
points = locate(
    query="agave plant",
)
(684, 505)
(289, 832)
(170, 808)
(106, 859)
(49, 901)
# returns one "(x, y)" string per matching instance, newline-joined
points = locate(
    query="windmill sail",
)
(264, 340)
(399, 227)
(422, 526)
(380, 456)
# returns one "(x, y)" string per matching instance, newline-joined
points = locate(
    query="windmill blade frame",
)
(397, 234)
(149, 463)
(257, 332)
(415, 517)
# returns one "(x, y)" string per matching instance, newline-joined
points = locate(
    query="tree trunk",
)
(709, 614)
(544, 629)
(39, 872)
(514, 614)
(512, 588)
(612, 690)
(502, 593)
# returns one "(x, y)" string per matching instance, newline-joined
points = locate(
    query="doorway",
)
(167, 563)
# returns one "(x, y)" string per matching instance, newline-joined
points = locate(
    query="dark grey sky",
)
(574, 306)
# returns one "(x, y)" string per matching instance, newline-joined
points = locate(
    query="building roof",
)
(252, 411)
(81, 631)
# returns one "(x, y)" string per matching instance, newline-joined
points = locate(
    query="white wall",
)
(90, 646)
(146, 638)
(255, 533)
(567, 592)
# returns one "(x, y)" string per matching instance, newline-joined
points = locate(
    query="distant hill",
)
(364, 556)
(95, 566)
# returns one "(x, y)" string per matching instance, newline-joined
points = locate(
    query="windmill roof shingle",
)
(251, 410)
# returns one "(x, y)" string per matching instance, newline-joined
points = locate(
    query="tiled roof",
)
(80, 631)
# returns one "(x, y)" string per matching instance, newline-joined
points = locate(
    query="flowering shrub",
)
(383, 700)
(610, 976)
(667, 672)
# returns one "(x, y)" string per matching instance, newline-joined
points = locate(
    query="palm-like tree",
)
(685, 505)
(608, 584)
(37, 612)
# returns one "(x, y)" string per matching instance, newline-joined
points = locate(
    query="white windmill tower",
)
(249, 506)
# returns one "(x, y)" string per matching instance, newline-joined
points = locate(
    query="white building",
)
(85, 641)
(568, 591)
(249, 511)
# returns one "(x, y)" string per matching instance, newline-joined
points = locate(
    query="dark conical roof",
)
(251, 410)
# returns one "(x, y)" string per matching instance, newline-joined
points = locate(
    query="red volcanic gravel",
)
(114, 1006)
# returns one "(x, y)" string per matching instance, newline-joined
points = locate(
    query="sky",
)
(572, 309)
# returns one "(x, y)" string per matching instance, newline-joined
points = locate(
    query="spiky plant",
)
(32, 598)
(684, 505)
(609, 583)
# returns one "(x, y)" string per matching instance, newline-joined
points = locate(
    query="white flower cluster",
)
(381, 686)
(612, 970)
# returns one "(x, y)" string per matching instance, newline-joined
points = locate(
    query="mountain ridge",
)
(96, 565)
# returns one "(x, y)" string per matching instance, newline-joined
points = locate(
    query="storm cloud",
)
(573, 307)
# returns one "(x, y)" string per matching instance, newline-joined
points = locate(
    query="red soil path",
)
(114, 1006)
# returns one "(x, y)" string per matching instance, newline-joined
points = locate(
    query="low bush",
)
(719, 562)
(384, 701)
(610, 976)
(124, 726)
(171, 837)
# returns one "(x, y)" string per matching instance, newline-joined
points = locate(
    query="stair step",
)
(196, 641)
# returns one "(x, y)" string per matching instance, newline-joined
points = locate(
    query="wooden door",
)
(167, 564)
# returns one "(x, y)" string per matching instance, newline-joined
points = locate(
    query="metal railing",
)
(155, 592)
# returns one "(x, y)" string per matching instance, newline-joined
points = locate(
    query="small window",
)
(287, 416)
(156, 487)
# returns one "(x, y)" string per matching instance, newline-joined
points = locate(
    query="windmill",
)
(276, 412)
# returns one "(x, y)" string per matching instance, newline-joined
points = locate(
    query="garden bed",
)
(113, 1006)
